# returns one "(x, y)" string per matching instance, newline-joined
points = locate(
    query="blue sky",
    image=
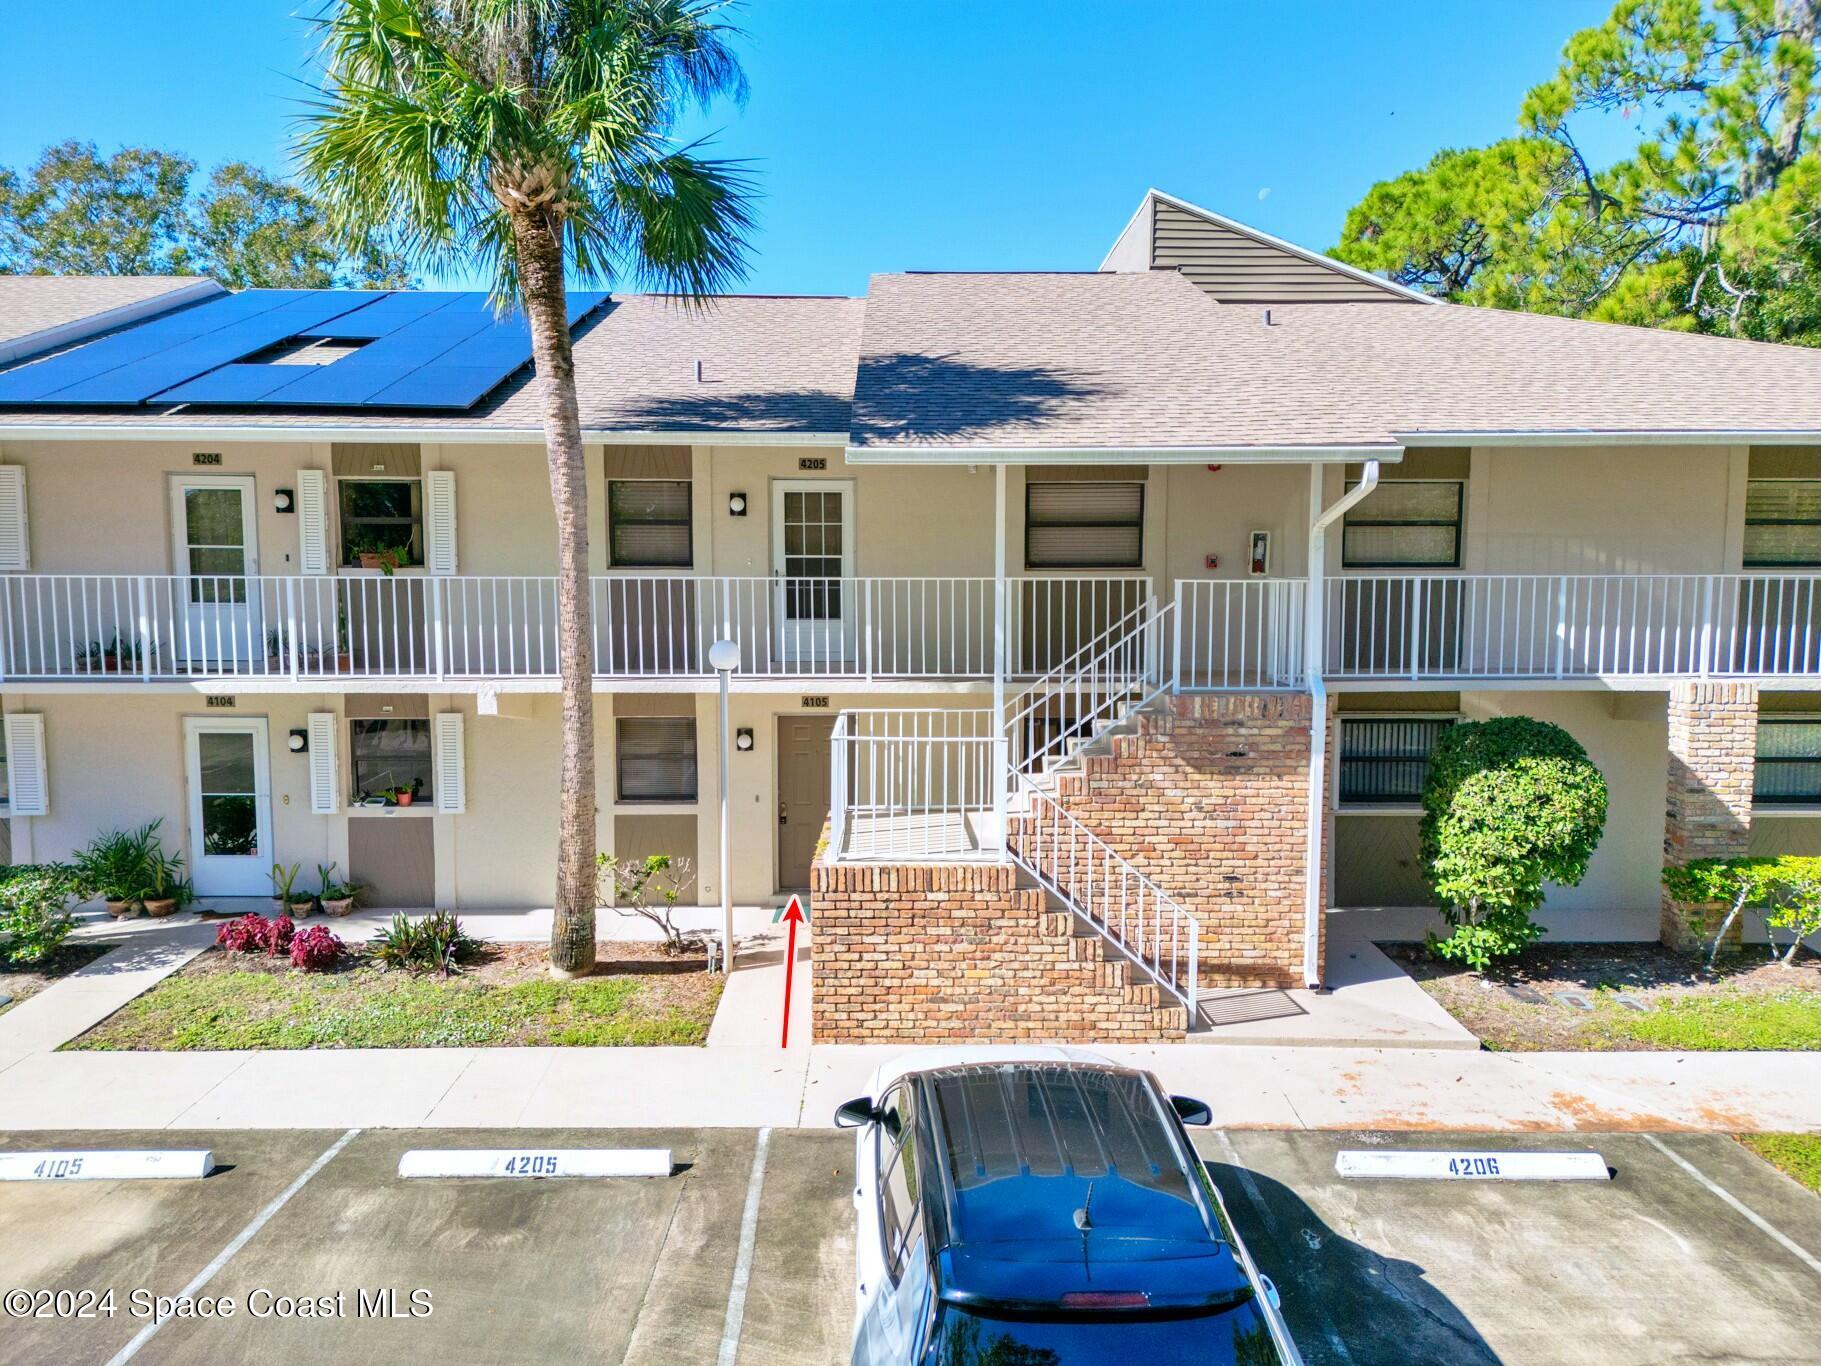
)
(915, 134)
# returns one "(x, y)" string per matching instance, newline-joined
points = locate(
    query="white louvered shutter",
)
(15, 539)
(451, 769)
(312, 522)
(325, 794)
(31, 789)
(439, 521)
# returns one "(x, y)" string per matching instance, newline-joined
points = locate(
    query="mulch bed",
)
(23, 980)
(1649, 973)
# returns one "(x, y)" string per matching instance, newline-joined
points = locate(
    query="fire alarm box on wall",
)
(1258, 561)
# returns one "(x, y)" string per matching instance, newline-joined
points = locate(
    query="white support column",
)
(1314, 644)
(1001, 748)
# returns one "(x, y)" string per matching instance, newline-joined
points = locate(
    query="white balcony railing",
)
(916, 784)
(1544, 626)
(1239, 633)
(93, 627)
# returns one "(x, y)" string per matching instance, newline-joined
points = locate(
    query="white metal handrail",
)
(1573, 625)
(1096, 684)
(1124, 906)
(1239, 633)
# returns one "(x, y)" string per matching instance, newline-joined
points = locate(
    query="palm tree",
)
(533, 136)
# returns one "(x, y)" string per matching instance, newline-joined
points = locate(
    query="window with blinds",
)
(656, 758)
(1385, 760)
(1405, 523)
(1086, 525)
(648, 523)
(1783, 523)
(1788, 771)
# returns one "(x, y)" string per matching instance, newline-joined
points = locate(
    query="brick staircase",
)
(1207, 795)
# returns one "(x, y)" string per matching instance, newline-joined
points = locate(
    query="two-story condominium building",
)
(1093, 628)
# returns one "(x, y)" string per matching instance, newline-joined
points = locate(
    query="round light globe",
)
(724, 656)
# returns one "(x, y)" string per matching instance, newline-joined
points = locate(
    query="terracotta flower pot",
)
(300, 909)
(405, 799)
(119, 908)
(160, 906)
(340, 905)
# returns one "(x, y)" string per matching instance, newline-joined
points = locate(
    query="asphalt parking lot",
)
(1651, 1266)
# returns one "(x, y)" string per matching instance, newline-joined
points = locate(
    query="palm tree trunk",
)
(540, 261)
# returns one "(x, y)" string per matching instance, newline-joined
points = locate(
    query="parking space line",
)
(222, 1258)
(742, 1266)
(1250, 1187)
(1757, 1219)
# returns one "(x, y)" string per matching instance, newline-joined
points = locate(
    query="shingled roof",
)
(1150, 362)
(38, 312)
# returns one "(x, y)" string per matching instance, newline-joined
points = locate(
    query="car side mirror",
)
(856, 1114)
(1191, 1111)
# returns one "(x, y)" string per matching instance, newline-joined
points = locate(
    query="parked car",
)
(1043, 1205)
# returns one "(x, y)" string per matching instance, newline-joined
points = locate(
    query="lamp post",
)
(724, 657)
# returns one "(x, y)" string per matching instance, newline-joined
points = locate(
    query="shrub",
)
(256, 934)
(628, 884)
(243, 934)
(1785, 893)
(316, 949)
(35, 917)
(1509, 804)
(436, 943)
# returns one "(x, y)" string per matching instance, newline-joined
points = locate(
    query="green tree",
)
(1699, 226)
(1509, 804)
(251, 231)
(533, 136)
(77, 212)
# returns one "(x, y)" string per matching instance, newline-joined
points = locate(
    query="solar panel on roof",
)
(140, 379)
(431, 349)
(34, 381)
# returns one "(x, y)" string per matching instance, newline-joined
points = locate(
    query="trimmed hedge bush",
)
(1509, 805)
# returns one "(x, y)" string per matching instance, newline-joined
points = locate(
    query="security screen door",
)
(230, 806)
(216, 609)
(812, 560)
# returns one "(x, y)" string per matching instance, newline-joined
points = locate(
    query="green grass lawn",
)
(1795, 1155)
(368, 1007)
(1781, 1020)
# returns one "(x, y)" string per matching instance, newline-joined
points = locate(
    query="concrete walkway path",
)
(743, 1078)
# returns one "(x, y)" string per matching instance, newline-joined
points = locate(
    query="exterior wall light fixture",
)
(298, 742)
(283, 501)
(736, 505)
(742, 739)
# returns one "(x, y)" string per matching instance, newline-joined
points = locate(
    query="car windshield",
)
(1237, 1336)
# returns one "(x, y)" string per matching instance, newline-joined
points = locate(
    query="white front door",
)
(812, 561)
(229, 769)
(215, 614)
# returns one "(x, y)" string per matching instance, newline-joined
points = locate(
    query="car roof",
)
(1042, 1177)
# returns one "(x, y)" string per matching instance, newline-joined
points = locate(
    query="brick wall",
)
(1713, 743)
(1209, 796)
(960, 953)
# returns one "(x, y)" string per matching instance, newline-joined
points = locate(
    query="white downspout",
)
(1314, 641)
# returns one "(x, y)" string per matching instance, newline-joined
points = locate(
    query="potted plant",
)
(165, 888)
(117, 866)
(284, 877)
(337, 898)
(404, 796)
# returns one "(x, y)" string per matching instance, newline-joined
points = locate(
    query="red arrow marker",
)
(793, 917)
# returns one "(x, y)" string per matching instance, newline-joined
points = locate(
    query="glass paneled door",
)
(216, 617)
(812, 552)
(230, 790)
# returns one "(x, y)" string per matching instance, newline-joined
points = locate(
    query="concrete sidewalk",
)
(743, 1078)
(759, 1084)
